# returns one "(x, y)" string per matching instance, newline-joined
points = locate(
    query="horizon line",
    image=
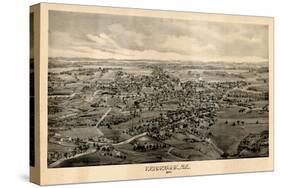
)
(161, 60)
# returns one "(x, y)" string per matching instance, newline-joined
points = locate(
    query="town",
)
(106, 112)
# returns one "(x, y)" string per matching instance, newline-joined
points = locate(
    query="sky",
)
(105, 36)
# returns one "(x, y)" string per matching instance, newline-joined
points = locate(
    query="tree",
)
(98, 147)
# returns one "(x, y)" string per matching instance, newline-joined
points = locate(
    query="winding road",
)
(130, 139)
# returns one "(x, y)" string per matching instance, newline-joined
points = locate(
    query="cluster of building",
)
(78, 146)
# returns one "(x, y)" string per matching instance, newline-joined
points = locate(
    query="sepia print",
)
(135, 89)
(120, 93)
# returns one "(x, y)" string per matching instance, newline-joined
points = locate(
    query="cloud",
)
(103, 47)
(103, 41)
(124, 37)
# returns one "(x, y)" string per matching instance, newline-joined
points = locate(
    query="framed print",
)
(119, 93)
